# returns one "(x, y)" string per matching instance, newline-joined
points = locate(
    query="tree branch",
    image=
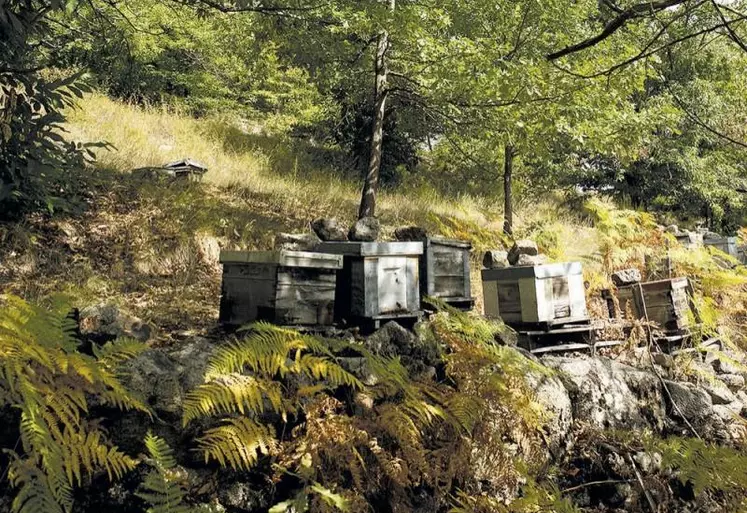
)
(636, 11)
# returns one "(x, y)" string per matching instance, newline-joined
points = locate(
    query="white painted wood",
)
(577, 295)
(392, 284)
(370, 249)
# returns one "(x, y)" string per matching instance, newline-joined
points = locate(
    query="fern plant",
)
(49, 383)
(269, 353)
(161, 489)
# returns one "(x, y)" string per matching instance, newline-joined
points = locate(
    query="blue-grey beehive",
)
(379, 281)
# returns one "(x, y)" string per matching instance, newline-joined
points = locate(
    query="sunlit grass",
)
(293, 175)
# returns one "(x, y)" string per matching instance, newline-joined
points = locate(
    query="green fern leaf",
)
(238, 443)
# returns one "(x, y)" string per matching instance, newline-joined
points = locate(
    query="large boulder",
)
(105, 322)
(329, 230)
(365, 230)
(608, 395)
(495, 259)
(552, 395)
(522, 247)
(296, 241)
(410, 233)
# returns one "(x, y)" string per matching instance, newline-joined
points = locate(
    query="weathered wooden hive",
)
(666, 303)
(445, 271)
(546, 295)
(283, 287)
(379, 281)
(728, 245)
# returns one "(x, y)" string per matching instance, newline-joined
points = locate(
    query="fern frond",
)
(321, 368)
(159, 450)
(34, 491)
(159, 490)
(232, 393)
(119, 351)
(238, 443)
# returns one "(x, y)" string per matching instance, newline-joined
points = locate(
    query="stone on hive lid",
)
(626, 277)
(530, 260)
(296, 241)
(522, 247)
(712, 236)
(410, 233)
(329, 229)
(495, 259)
(365, 230)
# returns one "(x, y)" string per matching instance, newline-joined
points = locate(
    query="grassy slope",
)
(153, 247)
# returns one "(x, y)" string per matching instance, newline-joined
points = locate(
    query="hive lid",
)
(285, 258)
(537, 271)
(187, 164)
(720, 240)
(365, 249)
(454, 243)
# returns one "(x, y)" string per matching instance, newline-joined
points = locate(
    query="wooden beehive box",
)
(284, 287)
(379, 281)
(445, 271)
(547, 295)
(666, 303)
(728, 245)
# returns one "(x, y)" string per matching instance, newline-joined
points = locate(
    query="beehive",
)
(548, 295)
(666, 303)
(283, 287)
(378, 281)
(726, 244)
(445, 271)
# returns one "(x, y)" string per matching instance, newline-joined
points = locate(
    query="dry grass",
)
(295, 176)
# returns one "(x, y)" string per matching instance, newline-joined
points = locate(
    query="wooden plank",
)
(563, 348)
(490, 299)
(286, 258)
(372, 249)
(536, 300)
(412, 278)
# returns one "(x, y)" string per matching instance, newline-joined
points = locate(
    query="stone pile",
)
(329, 230)
(524, 253)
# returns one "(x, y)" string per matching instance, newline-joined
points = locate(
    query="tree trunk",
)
(508, 206)
(368, 196)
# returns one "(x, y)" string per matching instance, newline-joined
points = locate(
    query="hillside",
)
(153, 246)
(610, 432)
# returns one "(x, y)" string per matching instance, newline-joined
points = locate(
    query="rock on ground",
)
(163, 377)
(296, 241)
(626, 277)
(105, 322)
(522, 247)
(329, 229)
(365, 230)
(495, 259)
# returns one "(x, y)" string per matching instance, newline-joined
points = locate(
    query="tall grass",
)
(295, 176)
